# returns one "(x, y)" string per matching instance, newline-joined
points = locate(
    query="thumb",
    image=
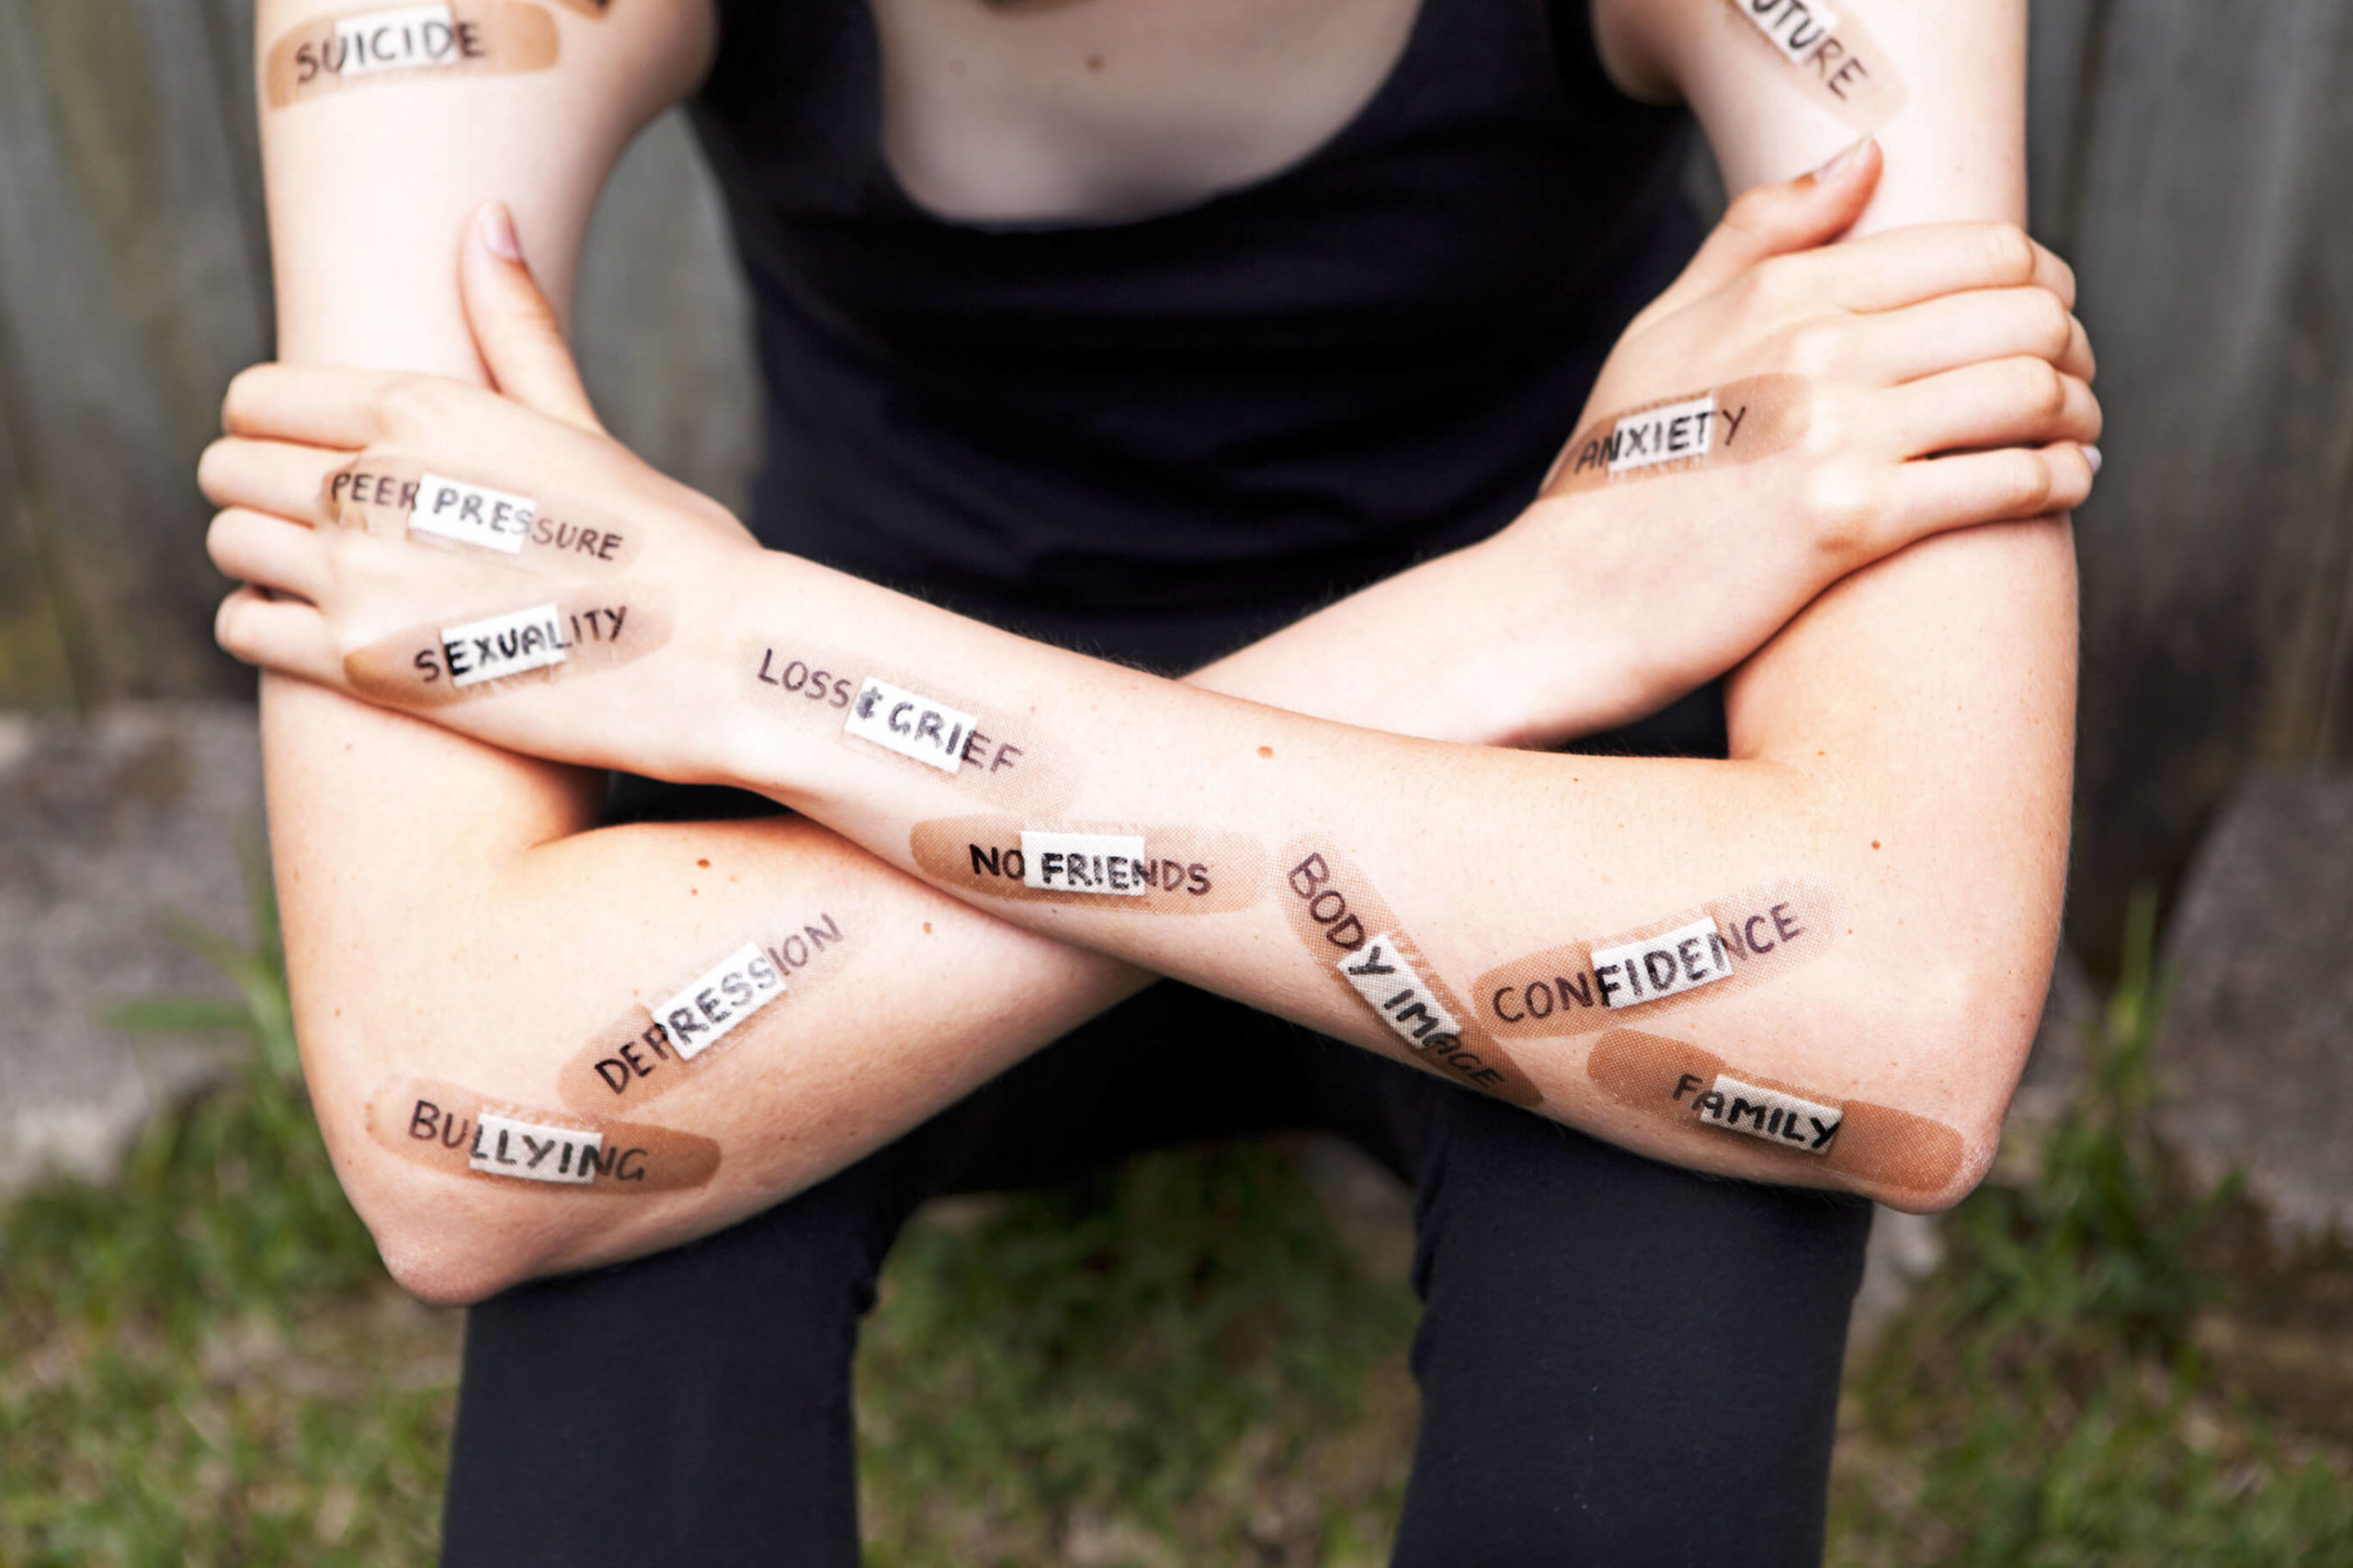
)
(515, 330)
(1772, 220)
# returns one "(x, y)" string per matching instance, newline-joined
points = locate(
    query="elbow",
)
(441, 1248)
(1962, 1051)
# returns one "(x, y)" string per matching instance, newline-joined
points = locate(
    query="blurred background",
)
(2134, 1345)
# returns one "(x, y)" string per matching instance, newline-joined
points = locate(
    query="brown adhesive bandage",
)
(404, 42)
(595, 10)
(915, 721)
(1120, 868)
(1356, 938)
(1581, 987)
(401, 497)
(476, 656)
(732, 1000)
(446, 1127)
(1671, 1081)
(1736, 423)
(1836, 59)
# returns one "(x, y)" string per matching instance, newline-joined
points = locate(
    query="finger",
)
(1938, 494)
(516, 329)
(269, 476)
(1789, 215)
(258, 548)
(1969, 328)
(316, 404)
(277, 634)
(2001, 403)
(1904, 266)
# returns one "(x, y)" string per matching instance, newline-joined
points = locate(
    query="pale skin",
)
(477, 931)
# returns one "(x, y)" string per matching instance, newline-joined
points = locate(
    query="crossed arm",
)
(454, 918)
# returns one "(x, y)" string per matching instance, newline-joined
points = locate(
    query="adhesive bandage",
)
(1120, 867)
(411, 42)
(1736, 423)
(1676, 1084)
(476, 656)
(391, 497)
(701, 1015)
(448, 1127)
(1356, 939)
(1584, 987)
(1836, 60)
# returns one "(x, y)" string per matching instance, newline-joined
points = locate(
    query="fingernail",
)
(496, 227)
(1841, 163)
(2091, 456)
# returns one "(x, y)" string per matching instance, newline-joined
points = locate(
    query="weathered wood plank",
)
(2216, 215)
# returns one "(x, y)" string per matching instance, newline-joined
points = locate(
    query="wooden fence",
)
(2190, 158)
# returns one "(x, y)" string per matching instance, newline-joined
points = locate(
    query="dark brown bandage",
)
(476, 656)
(1118, 867)
(701, 1015)
(403, 40)
(446, 1127)
(393, 496)
(1736, 423)
(1356, 940)
(1680, 1083)
(1837, 62)
(917, 722)
(1734, 943)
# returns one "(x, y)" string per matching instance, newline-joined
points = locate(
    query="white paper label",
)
(504, 646)
(1768, 1114)
(471, 514)
(1666, 965)
(1402, 998)
(710, 1008)
(1666, 434)
(396, 40)
(1796, 27)
(504, 1146)
(912, 726)
(1086, 862)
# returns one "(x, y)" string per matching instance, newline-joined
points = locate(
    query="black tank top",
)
(1158, 439)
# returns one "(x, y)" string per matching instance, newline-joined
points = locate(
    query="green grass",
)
(1177, 1363)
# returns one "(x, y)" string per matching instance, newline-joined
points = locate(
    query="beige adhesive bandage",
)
(1583, 987)
(408, 43)
(1120, 867)
(1680, 1085)
(446, 1127)
(401, 497)
(1838, 63)
(595, 10)
(913, 720)
(1356, 938)
(1736, 423)
(477, 655)
(734, 999)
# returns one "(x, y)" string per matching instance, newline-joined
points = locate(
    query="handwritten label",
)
(503, 645)
(1402, 998)
(710, 1008)
(1769, 1114)
(504, 1146)
(397, 40)
(1666, 965)
(1666, 434)
(900, 720)
(1086, 862)
(471, 514)
(1796, 27)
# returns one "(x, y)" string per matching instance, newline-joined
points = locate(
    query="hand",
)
(1865, 395)
(441, 548)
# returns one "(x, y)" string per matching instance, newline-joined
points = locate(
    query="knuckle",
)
(1817, 348)
(410, 405)
(1838, 509)
(2025, 484)
(2054, 325)
(2041, 390)
(2010, 252)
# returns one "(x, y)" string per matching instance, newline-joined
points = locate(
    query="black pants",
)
(1621, 1362)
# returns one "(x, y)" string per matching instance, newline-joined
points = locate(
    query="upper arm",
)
(1932, 695)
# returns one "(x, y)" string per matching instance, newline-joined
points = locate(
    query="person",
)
(1147, 330)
